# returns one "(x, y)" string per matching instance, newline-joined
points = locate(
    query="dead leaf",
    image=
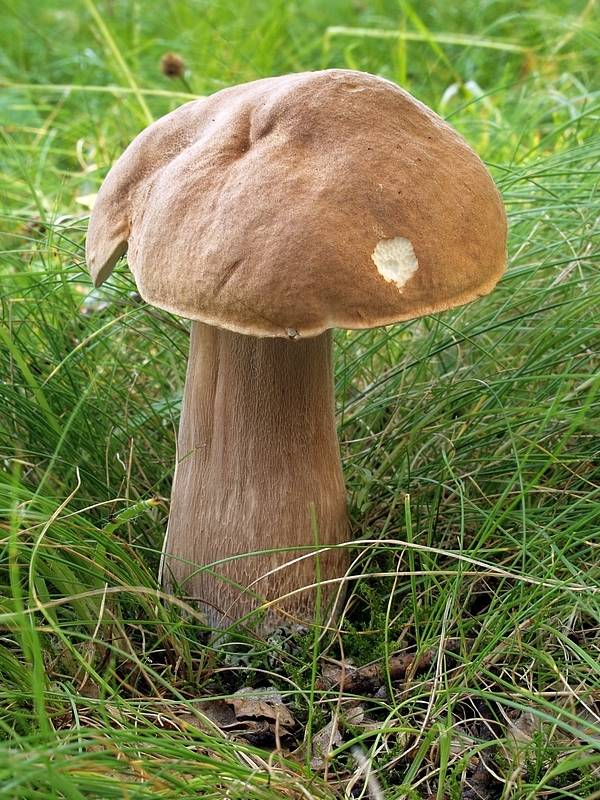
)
(251, 704)
(370, 678)
(354, 714)
(216, 711)
(323, 744)
(522, 728)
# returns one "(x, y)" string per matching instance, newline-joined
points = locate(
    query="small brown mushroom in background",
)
(270, 213)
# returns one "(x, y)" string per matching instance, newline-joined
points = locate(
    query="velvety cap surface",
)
(295, 204)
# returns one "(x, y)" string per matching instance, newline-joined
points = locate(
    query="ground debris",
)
(217, 712)
(256, 716)
(261, 704)
(475, 723)
(323, 743)
(369, 679)
(520, 730)
(481, 783)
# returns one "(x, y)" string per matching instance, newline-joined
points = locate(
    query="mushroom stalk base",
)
(258, 468)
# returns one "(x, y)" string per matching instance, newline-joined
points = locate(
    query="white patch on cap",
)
(395, 260)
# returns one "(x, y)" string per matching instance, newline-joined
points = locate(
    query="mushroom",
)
(268, 214)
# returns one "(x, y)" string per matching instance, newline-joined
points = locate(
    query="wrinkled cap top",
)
(291, 205)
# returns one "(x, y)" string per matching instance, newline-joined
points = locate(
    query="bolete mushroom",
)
(268, 214)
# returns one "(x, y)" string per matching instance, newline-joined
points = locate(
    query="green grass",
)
(469, 440)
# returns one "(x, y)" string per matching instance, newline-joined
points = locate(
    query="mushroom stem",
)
(257, 451)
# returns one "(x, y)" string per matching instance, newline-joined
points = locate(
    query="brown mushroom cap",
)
(301, 203)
